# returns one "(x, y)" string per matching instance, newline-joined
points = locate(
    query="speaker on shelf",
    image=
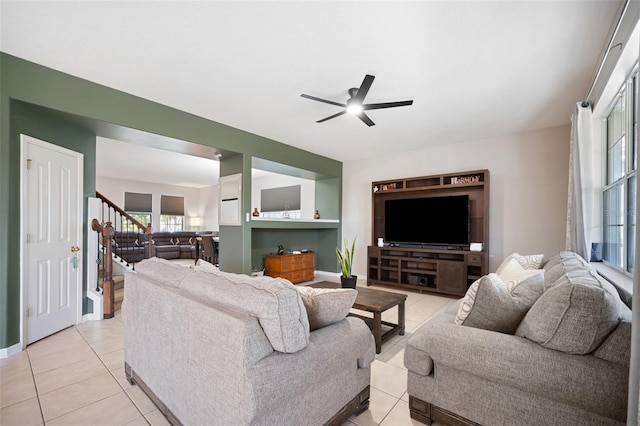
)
(421, 280)
(596, 252)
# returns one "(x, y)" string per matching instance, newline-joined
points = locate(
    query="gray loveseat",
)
(566, 364)
(212, 348)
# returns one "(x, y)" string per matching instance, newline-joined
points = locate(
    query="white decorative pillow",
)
(512, 270)
(466, 304)
(326, 306)
(492, 304)
(531, 261)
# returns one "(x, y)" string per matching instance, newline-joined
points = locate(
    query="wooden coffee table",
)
(376, 302)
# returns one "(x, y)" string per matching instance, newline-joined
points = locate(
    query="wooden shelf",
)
(431, 269)
(449, 272)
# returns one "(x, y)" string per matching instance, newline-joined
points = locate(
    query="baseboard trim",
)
(11, 350)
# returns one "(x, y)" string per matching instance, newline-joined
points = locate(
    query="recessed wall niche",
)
(302, 231)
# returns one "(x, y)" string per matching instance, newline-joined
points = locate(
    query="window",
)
(619, 193)
(283, 202)
(143, 218)
(171, 213)
(137, 206)
(171, 222)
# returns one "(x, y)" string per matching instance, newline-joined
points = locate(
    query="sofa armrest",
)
(330, 350)
(522, 364)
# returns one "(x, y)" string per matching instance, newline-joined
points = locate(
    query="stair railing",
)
(126, 226)
(107, 233)
(122, 237)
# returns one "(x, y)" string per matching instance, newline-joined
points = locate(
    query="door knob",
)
(75, 249)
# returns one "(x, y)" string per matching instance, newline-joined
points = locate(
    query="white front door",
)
(52, 224)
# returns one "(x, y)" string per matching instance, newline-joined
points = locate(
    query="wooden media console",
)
(441, 269)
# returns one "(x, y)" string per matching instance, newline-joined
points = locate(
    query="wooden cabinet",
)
(423, 267)
(440, 271)
(294, 267)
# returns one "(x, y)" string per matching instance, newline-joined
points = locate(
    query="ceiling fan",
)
(355, 103)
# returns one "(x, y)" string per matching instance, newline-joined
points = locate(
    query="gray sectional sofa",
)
(213, 348)
(562, 357)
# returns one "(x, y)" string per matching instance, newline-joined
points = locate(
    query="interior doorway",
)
(51, 220)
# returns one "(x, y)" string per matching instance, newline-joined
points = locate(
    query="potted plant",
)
(345, 259)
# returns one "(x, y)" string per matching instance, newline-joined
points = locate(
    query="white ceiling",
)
(145, 164)
(475, 69)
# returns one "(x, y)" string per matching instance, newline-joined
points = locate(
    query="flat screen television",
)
(427, 221)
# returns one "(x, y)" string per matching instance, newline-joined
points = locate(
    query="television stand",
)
(446, 269)
(423, 269)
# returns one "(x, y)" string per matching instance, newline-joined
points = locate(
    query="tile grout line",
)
(35, 385)
(101, 399)
(115, 378)
(389, 412)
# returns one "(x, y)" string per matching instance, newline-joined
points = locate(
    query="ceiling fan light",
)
(354, 108)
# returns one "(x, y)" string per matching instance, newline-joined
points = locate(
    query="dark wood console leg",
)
(377, 330)
(401, 317)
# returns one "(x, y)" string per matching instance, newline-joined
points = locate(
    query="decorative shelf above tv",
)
(448, 193)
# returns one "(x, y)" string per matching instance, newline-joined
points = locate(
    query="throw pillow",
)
(513, 271)
(531, 261)
(574, 316)
(326, 306)
(497, 305)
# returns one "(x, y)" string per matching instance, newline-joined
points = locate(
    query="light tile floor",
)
(76, 377)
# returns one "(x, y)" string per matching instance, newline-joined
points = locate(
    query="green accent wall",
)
(69, 111)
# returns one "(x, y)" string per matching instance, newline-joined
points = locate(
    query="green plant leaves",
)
(345, 259)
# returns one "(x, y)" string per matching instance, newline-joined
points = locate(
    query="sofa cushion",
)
(531, 261)
(575, 315)
(326, 306)
(562, 263)
(492, 304)
(162, 238)
(163, 271)
(274, 301)
(617, 346)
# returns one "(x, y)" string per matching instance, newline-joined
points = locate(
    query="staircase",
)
(116, 242)
(118, 292)
(118, 288)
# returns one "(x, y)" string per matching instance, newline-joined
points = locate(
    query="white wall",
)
(273, 180)
(208, 207)
(528, 189)
(197, 202)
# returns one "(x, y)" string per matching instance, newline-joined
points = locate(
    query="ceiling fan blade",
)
(364, 88)
(313, 98)
(331, 116)
(365, 119)
(386, 105)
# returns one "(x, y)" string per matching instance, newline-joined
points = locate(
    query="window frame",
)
(171, 227)
(630, 90)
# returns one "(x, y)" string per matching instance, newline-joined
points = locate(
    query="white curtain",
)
(581, 183)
